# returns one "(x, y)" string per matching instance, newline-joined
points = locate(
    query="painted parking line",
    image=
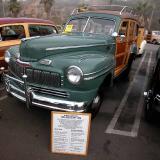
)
(136, 125)
(3, 97)
(110, 129)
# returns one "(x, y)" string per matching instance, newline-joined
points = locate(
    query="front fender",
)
(95, 68)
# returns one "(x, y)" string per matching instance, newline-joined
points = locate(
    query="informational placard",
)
(70, 132)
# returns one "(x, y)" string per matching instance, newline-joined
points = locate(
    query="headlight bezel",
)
(7, 56)
(74, 69)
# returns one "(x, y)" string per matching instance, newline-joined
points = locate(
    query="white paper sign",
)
(70, 132)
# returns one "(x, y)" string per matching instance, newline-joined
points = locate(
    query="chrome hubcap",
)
(96, 102)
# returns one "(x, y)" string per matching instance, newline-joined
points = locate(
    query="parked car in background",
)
(152, 95)
(70, 71)
(12, 30)
(149, 36)
(155, 37)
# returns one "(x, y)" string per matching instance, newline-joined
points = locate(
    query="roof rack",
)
(117, 8)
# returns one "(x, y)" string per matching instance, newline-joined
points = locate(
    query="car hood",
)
(41, 47)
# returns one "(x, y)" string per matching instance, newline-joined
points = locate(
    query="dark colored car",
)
(152, 96)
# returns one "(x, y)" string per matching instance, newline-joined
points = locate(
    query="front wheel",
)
(95, 105)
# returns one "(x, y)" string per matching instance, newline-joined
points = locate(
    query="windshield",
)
(91, 25)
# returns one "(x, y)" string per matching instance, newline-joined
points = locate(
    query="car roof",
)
(113, 13)
(24, 20)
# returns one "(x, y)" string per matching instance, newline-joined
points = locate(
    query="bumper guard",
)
(31, 98)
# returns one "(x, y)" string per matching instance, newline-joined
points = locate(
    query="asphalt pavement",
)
(119, 132)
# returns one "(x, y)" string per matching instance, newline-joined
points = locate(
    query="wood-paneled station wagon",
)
(12, 30)
(68, 72)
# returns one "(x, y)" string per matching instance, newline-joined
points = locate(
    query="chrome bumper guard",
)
(31, 98)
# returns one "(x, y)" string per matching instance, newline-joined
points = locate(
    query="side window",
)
(99, 26)
(131, 30)
(136, 29)
(124, 28)
(41, 30)
(12, 32)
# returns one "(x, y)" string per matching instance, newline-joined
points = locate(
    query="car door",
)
(121, 47)
(11, 35)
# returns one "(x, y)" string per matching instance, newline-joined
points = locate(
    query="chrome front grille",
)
(36, 76)
(43, 77)
(16, 68)
(50, 92)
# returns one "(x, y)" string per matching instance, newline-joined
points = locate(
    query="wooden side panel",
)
(121, 47)
(129, 30)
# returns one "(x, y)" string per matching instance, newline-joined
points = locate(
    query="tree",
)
(14, 7)
(47, 6)
(1, 6)
(144, 9)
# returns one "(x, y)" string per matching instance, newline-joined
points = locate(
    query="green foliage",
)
(144, 9)
(14, 7)
(1, 10)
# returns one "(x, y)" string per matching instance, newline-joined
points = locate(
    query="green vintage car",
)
(69, 71)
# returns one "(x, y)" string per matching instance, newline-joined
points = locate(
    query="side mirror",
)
(122, 36)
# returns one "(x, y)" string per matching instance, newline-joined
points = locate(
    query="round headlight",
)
(74, 74)
(7, 57)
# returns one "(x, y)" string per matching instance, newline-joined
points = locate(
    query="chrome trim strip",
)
(56, 108)
(49, 90)
(86, 24)
(52, 94)
(73, 47)
(29, 38)
(18, 96)
(100, 74)
(17, 89)
(88, 74)
(23, 63)
(57, 101)
(6, 75)
(96, 76)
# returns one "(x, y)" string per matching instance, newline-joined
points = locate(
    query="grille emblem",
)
(45, 61)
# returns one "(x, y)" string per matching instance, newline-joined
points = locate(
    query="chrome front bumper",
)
(28, 95)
